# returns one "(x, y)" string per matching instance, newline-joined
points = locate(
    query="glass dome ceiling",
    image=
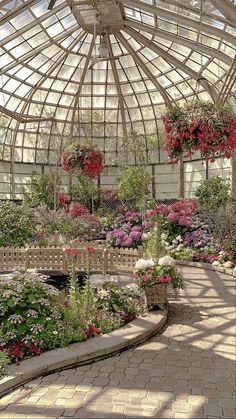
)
(106, 68)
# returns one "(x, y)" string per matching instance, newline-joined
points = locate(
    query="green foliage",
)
(138, 145)
(154, 245)
(212, 193)
(4, 362)
(16, 224)
(84, 191)
(82, 308)
(230, 244)
(30, 316)
(133, 184)
(43, 189)
(116, 299)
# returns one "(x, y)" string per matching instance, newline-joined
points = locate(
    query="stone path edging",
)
(135, 332)
(205, 265)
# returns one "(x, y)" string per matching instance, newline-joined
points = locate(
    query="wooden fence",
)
(55, 260)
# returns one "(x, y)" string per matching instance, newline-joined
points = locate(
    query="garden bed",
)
(134, 333)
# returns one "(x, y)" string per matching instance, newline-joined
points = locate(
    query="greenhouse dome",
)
(117, 209)
(107, 70)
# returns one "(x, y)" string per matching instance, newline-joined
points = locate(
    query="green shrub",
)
(212, 193)
(16, 225)
(30, 315)
(134, 184)
(4, 361)
(43, 190)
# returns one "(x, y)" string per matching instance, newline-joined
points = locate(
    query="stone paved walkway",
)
(187, 372)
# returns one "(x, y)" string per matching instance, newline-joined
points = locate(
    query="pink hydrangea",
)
(172, 217)
(184, 221)
(164, 279)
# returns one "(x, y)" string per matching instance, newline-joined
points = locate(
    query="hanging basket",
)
(156, 295)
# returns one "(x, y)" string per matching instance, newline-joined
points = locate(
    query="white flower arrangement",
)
(166, 261)
(228, 264)
(144, 263)
(215, 263)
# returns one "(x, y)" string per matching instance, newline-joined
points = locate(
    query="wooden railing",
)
(55, 260)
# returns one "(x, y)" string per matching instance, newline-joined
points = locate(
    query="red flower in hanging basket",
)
(83, 158)
(199, 127)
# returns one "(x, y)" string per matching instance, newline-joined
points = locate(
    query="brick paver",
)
(188, 371)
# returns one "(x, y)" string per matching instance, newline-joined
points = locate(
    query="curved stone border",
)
(208, 266)
(132, 334)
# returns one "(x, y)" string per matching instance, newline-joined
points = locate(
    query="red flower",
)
(77, 209)
(91, 250)
(66, 303)
(64, 198)
(71, 252)
(34, 349)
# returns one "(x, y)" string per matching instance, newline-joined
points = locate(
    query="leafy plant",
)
(4, 362)
(212, 193)
(44, 189)
(134, 184)
(84, 191)
(16, 224)
(116, 299)
(29, 314)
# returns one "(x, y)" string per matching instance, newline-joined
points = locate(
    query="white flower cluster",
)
(32, 313)
(103, 293)
(166, 261)
(226, 264)
(144, 263)
(175, 244)
(36, 328)
(15, 318)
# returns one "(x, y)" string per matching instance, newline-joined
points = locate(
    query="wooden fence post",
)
(105, 261)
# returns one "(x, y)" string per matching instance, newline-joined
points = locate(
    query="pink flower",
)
(184, 221)
(77, 209)
(146, 278)
(172, 217)
(164, 279)
(71, 252)
(91, 250)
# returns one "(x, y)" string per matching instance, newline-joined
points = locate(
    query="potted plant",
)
(200, 126)
(153, 276)
(82, 157)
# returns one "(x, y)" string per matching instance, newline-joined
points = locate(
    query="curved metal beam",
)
(118, 88)
(176, 38)
(77, 96)
(145, 69)
(32, 24)
(171, 59)
(227, 9)
(36, 50)
(175, 17)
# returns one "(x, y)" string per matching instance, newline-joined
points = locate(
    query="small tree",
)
(133, 184)
(44, 189)
(212, 193)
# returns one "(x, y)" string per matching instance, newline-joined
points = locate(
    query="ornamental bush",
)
(4, 362)
(17, 225)
(133, 184)
(212, 193)
(30, 318)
